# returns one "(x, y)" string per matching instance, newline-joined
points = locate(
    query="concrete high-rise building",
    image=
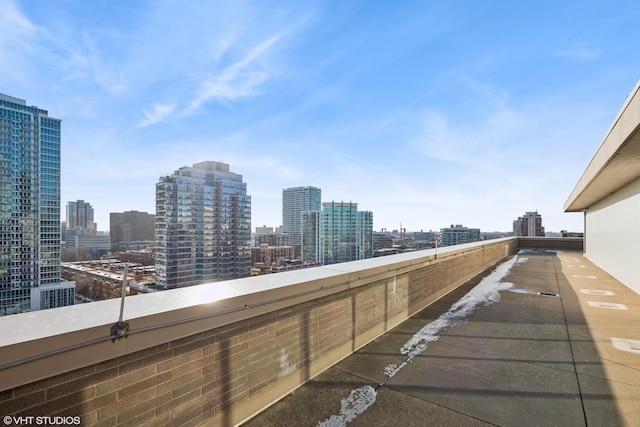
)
(529, 225)
(337, 233)
(457, 235)
(203, 226)
(131, 226)
(295, 201)
(30, 210)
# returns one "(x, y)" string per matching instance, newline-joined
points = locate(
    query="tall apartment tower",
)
(337, 233)
(295, 201)
(203, 226)
(528, 225)
(80, 218)
(30, 210)
(131, 228)
(80, 232)
(457, 235)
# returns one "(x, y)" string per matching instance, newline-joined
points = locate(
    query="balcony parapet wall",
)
(220, 352)
(565, 243)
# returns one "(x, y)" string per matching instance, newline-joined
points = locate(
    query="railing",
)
(221, 352)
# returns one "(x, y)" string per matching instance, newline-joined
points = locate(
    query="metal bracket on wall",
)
(119, 330)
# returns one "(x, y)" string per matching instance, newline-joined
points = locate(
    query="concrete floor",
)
(529, 359)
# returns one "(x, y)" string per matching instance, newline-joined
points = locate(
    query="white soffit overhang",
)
(617, 161)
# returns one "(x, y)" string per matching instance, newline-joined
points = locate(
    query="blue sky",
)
(427, 113)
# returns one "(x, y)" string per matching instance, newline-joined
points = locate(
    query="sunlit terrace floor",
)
(528, 359)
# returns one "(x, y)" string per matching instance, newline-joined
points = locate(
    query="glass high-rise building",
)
(203, 226)
(295, 201)
(337, 233)
(30, 210)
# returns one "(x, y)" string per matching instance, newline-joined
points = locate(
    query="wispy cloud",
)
(577, 52)
(237, 80)
(12, 18)
(159, 113)
(468, 143)
(471, 135)
(55, 54)
(108, 76)
(17, 35)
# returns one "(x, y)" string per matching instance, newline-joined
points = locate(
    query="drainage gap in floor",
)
(548, 294)
(526, 291)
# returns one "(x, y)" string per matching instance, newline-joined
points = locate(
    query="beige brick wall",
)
(224, 375)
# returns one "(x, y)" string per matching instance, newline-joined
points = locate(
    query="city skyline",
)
(426, 114)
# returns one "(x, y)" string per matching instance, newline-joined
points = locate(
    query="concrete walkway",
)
(551, 351)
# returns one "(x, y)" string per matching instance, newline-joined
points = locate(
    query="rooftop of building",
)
(550, 339)
(551, 348)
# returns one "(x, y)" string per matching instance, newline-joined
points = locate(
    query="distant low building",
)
(272, 236)
(385, 252)
(457, 235)
(283, 265)
(565, 233)
(427, 236)
(142, 257)
(293, 264)
(96, 245)
(93, 281)
(489, 235)
(102, 279)
(382, 241)
(270, 255)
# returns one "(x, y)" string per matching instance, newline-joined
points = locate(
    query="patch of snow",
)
(391, 369)
(486, 292)
(357, 402)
